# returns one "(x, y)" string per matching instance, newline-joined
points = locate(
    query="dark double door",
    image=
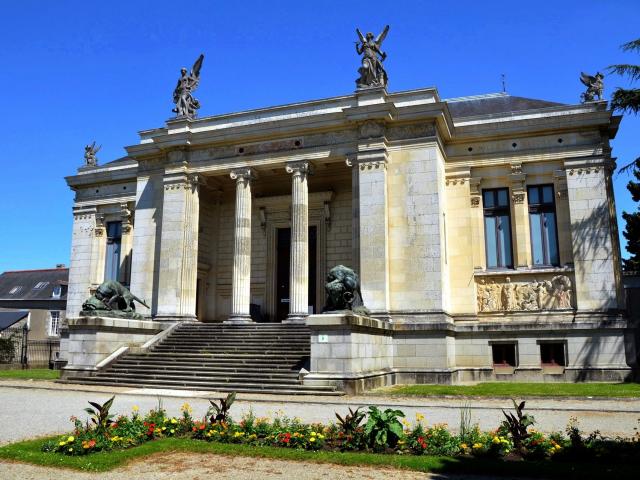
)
(284, 264)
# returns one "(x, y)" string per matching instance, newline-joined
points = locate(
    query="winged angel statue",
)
(372, 73)
(90, 152)
(595, 86)
(186, 105)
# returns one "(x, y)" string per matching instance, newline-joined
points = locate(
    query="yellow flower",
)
(173, 430)
(419, 417)
(313, 434)
(477, 445)
(70, 439)
(495, 440)
(62, 444)
(401, 442)
(312, 439)
(464, 446)
(320, 436)
(174, 421)
(135, 409)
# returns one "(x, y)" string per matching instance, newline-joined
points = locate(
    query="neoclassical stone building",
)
(483, 229)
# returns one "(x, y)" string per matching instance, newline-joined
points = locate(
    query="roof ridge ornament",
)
(186, 105)
(372, 73)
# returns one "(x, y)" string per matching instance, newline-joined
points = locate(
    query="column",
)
(592, 233)
(241, 279)
(374, 229)
(520, 236)
(80, 275)
(178, 268)
(146, 246)
(299, 269)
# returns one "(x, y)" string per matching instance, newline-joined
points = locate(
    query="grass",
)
(31, 374)
(29, 452)
(496, 389)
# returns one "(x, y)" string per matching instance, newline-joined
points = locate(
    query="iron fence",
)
(17, 349)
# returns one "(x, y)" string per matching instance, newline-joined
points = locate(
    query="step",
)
(206, 372)
(204, 379)
(222, 388)
(252, 386)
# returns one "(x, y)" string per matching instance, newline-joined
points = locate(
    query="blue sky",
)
(76, 71)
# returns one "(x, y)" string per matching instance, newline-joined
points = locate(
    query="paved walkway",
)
(34, 408)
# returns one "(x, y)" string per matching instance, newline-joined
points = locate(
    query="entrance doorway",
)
(283, 265)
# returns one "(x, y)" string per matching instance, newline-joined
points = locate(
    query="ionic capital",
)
(244, 174)
(302, 167)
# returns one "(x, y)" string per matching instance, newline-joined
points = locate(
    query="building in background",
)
(37, 300)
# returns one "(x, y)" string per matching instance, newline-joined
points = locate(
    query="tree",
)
(628, 100)
(632, 227)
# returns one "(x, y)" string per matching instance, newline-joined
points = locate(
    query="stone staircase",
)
(256, 358)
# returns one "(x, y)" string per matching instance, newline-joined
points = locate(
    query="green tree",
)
(628, 100)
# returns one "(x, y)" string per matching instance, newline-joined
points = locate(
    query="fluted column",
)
(299, 270)
(241, 280)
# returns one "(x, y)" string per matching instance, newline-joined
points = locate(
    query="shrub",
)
(383, 429)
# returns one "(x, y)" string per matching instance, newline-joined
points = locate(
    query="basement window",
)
(504, 355)
(553, 354)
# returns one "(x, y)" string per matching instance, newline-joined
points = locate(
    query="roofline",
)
(36, 270)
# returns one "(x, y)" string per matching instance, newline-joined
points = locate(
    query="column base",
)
(296, 318)
(239, 319)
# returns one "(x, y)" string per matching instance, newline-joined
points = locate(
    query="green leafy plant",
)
(351, 421)
(517, 425)
(383, 429)
(100, 415)
(219, 410)
(7, 352)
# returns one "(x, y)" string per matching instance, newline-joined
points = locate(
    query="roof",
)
(33, 284)
(9, 318)
(494, 103)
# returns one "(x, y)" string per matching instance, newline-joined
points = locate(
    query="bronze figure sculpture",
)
(186, 105)
(112, 299)
(343, 291)
(90, 151)
(372, 73)
(595, 87)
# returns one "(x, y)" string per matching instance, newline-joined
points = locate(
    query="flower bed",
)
(373, 430)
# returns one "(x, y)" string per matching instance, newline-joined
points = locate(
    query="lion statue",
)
(112, 299)
(343, 291)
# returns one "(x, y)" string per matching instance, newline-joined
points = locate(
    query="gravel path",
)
(200, 466)
(31, 409)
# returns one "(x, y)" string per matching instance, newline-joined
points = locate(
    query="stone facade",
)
(393, 185)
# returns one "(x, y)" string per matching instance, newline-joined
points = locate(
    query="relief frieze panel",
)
(504, 295)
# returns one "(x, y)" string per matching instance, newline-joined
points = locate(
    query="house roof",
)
(494, 103)
(9, 318)
(33, 284)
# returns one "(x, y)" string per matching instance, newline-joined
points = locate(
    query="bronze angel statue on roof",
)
(595, 87)
(372, 73)
(90, 152)
(186, 105)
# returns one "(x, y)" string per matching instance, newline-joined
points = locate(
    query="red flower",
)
(202, 427)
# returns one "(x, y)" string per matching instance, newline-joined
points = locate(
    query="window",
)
(542, 219)
(57, 291)
(552, 354)
(54, 323)
(114, 240)
(40, 285)
(504, 354)
(497, 228)
(15, 290)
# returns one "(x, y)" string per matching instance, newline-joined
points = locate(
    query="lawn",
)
(519, 390)
(29, 452)
(31, 374)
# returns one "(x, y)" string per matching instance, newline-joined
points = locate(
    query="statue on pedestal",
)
(372, 73)
(595, 87)
(343, 291)
(112, 299)
(90, 151)
(186, 105)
